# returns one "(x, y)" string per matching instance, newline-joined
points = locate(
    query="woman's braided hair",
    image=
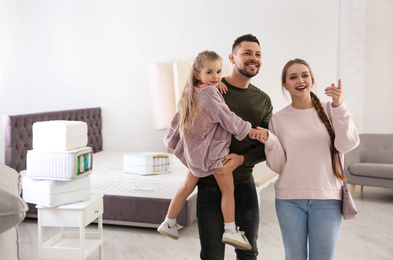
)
(322, 115)
(325, 120)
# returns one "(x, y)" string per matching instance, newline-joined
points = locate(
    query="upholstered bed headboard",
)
(18, 132)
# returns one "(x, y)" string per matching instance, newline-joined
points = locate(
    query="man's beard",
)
(245, 73)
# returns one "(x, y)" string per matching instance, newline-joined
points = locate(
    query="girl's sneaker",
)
(166, 230)
(238, 239)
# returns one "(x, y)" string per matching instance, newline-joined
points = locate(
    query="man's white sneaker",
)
(166, 230)
(238, 239)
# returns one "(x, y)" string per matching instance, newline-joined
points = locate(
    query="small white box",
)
(61, 165)
(148, 163)
(50, 193)
(59, 135)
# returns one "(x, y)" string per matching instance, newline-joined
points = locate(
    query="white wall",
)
(378, 99)
(367, 59)
(72, 54)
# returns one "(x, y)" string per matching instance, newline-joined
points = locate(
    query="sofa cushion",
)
(376, 148)
(12, 207)
(374, 170)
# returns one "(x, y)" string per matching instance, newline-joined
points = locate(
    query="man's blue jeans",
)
(211, 222)
(319, 220)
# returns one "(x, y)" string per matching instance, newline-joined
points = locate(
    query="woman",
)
(303, 148)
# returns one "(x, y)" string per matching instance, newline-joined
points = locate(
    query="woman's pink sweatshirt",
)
(298, 149)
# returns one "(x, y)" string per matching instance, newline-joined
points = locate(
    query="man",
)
(254, 106)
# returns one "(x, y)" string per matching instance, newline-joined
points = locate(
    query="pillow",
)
(12, 207)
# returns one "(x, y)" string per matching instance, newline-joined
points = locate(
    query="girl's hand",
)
(222, 88)
(335, 93)
(260, 134)
(253, 133)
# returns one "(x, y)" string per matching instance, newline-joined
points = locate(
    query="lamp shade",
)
(181, 72)
(162, 94)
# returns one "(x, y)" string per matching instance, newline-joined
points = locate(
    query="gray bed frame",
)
(122, 210)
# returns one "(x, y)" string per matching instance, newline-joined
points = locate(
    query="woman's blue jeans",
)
(316, 220)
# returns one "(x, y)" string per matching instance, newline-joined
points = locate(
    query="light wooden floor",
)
(368, 237)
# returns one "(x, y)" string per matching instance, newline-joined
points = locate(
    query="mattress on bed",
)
(59, 165)
(132, 199)
(109, 178)
(51, 193)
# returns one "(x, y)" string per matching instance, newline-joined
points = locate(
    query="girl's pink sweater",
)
(203, 148)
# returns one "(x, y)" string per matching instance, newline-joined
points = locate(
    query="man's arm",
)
(257, 154)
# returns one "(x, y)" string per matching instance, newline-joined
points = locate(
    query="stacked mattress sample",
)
(51, 193)
(148, 163)
(58, 167)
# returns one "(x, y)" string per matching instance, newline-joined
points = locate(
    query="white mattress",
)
(108, 177)
(147, 163)
(59, 165)
(51, 193)
(59, 135)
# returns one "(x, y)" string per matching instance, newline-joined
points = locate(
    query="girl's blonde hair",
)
(187, 106)
(322, 115)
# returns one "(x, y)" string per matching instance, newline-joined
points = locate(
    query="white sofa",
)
(12, 211)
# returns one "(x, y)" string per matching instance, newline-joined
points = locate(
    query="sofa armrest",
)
(350, 158)
(12, 207)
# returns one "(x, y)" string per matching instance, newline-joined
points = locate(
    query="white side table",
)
(71, 244)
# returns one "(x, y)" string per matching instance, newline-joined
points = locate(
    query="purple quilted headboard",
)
(18, 132)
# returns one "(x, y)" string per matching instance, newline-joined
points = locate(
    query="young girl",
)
(303, 148)
(199, 135)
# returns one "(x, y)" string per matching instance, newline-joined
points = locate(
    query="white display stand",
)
(68, 244)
